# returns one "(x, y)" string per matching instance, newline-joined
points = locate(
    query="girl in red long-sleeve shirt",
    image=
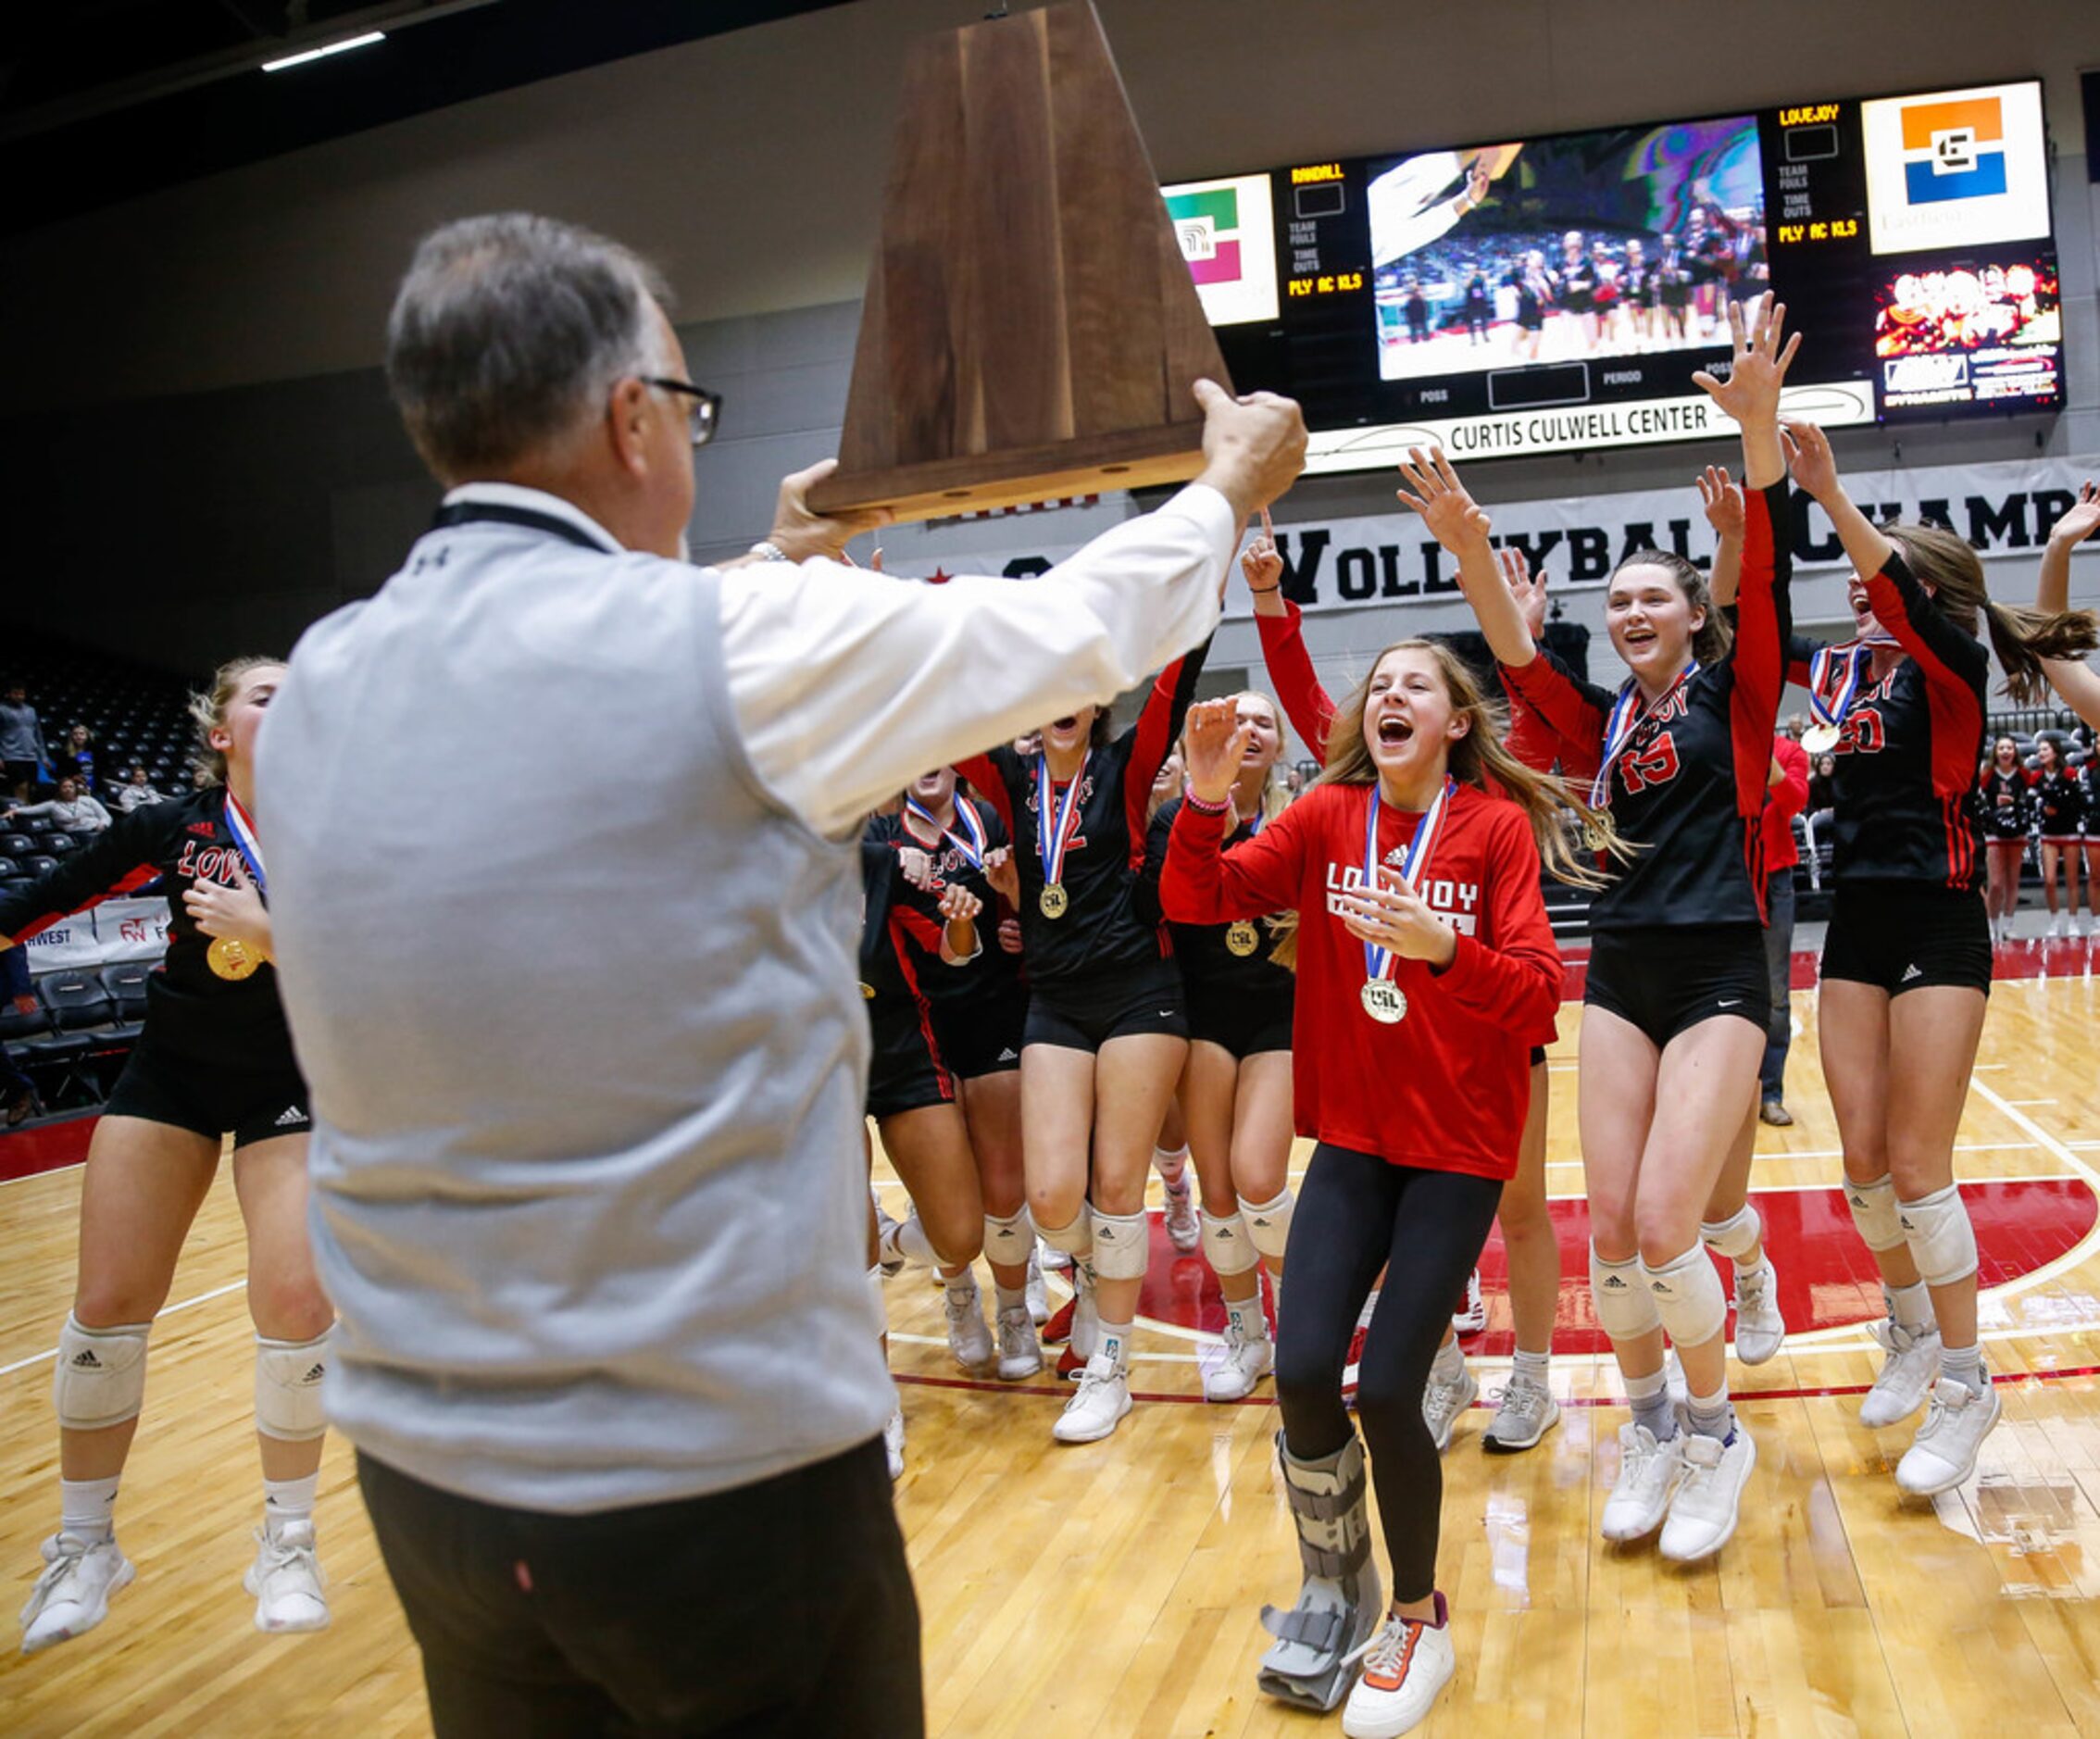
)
(1425, 960)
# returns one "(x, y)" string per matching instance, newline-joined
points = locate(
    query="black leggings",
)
(1357, 1214)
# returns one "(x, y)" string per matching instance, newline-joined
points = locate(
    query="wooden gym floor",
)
(1114, 1589)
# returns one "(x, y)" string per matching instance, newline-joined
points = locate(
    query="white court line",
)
(54, 1172)
(168, 1310)
(2031, 1102)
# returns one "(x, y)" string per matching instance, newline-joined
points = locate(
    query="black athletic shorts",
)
(982, 1036)
(1538, 1055)
(1085, 1017)
(906, 1070)
(254, 1100)
(1899, 936)
(1244, 1025)
(1666, 979)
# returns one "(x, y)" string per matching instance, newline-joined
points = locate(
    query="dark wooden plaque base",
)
(1031, 329)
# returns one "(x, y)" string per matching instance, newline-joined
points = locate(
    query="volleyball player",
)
(979, 1010)
(1107, 1032)
(1424, 959)
(2060, 808)
(1906, 963)
(1525, 1408)
(1235, 1088)
(214, 1059)
(1678, 1000)
(2002, 813)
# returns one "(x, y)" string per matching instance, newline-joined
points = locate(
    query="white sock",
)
(286, 1501)
(1912, 1307)
(1532, 1365)
(1650, 1398)
(1247, 1317)
(1114, 1342)
(1965, 1365)
(88, 1508)
(1172, 1166)
(1450, 1363)
(1011, 1297)
(911, 1241)
(963, 1279)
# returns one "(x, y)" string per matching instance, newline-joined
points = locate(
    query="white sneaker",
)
(1759, 1328)
(1048, 1256)
(1095, 1412)
(1524, 1412)
(1943, 1453)
(893, 1444)
(1021, 1354)
(1038, 1299)
(286, 1579)
(2055, 923)
(1405, 1668)
(1703, 1511)
(1182, 1226)
(1906, 1373)
(969, 1339)
(1648, 1475)
(1246, 1361)
(72, 1595)
(1472, 1318)
(1442, 1402)
(888, 1257)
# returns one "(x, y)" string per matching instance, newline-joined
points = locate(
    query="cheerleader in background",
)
(2002, 813)
(2059, 808)
(1906, 964)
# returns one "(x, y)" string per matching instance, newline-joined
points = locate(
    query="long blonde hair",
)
(208, 713)
(2021, 638)
(1481, 758)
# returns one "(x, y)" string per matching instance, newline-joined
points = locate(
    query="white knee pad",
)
(1269, 1223)
(1122, 1246)
(1076, 1239)
(1225, 1243)
(1008, 1239)
(100, 1376)
(1736, 1235)
(1619, 1294)
(1689, 1296)
(288, 1388)
(1942, 1241)
(1874, 1213)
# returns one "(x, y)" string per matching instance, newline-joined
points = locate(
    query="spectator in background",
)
(135, 791)
(1793, 727)
(1787, 790)
(1823, 785)
(73, 809)
(76, 757)
(21, 741)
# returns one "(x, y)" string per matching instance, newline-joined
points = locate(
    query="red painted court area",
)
(45, 1147)
(1827, 1279)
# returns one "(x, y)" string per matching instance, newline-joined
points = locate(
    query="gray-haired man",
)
(587, 1079)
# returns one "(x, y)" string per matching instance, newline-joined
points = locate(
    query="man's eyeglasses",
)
(703, 413)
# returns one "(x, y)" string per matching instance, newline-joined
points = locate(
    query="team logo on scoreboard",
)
(1953, 169)
(1227, 231)
(1954, 150)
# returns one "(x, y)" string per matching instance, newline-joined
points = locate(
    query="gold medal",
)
(1242, 939)
(868, 992)
(1054, 900)
(1385, 1001)
(230, 959)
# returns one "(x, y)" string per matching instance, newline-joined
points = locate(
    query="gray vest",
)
(577, 1001)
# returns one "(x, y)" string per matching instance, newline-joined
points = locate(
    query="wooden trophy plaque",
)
(1031, 329)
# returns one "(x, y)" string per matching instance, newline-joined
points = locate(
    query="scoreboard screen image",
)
(1555, 294)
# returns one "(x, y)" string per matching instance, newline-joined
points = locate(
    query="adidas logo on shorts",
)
(292, 1114)
(1009, 1055)
(1912, 972)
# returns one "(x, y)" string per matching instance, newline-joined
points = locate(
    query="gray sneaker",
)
(1442, 1402)
(1759, 1328)
(1524, 1412)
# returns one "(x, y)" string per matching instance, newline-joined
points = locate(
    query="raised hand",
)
(1723, 501)
(1393, 916)
(1758, 369)
(2080, 521)
(1261, 562)
(916, 867)
(800, 532)
(1526, 592)
(1809, 458)
(1214, 743)
(1254, 447)
(1003, 874)
(1453, 518)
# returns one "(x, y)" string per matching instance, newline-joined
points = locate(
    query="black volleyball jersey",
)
(2059, 801)
(1686, 787)
(993, 972)
(181, 842)
(898, 927)
(1211, 965)
(2002, 803)
(1103, 929)
(1908, 747)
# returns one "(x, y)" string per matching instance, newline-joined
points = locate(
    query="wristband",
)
(766, 550)
(1199, 805)
(1262, 591)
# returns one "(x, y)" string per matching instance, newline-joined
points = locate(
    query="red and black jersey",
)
(1449, 1087)
(1209, 966)
(181, 842)
(2059, 801)
(1687, 787)
(994, 972)
(898, 923)
(1105, 928)
(2002, 803)
(1909, 745)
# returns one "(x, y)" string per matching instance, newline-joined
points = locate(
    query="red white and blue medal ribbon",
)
(971, 848)
(1830, 697)
(1383, 1000)
(1626, 716)
(1055, 824)
(245, 842)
